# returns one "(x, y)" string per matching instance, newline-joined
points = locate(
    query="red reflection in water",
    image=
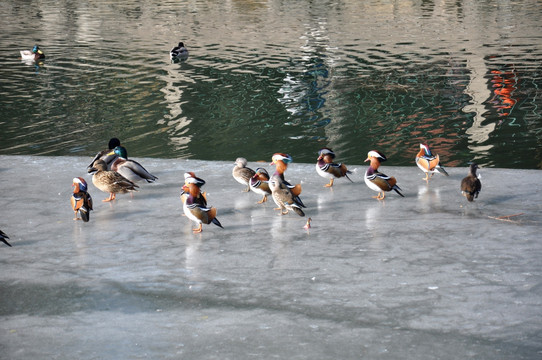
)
(417, 129)
(504, 83)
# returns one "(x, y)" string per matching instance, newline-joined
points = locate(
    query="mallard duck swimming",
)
(471, 184)
(130, 169)
(34, 54)
(107, 155)
(110, 181)
(81, 200)
(179, 52)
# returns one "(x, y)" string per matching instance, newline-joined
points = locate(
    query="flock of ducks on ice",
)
(114, 173)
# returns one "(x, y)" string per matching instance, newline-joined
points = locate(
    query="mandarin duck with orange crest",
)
(197, 212)
(241, 173)
(376, 180)
(81, 200)
(428, 162)
(281, 161)
(259, 184)
(471, 184)
(326, 168)
(191, 178)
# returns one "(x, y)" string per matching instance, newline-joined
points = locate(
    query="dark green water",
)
(276, 76)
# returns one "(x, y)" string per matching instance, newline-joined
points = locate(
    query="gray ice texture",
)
(427, 276)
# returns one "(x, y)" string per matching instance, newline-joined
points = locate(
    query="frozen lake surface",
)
(428, 276)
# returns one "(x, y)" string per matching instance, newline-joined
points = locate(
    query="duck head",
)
(241, 162)
(261, 172)
(472, 169)
(113, 143)
(121, 152)
(425, 150)
(79, 184)
(326, 154)
(375, 157)
(99, 165)
(281, 160)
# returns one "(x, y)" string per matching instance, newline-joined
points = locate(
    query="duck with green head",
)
(107, 155)
(130, 169)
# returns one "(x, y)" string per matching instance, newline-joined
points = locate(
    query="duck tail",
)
(397, 188)
(217, 223)
(3, 238)
(441, 170)
(85, 213)
(212, 217)
(298, 211)
(345, 171)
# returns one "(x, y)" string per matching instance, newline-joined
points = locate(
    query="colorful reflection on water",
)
(270, 76)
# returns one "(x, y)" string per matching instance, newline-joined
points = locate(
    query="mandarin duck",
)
(191, 178)
(81, 200)
(178, 53)
(284, 198)
(241, 173)
(428, 162)
(130, 169)
(3, 238)
(35, 54)
(259, 183)
(106, 155)
(110, 181)
(376, 180)
(471, 184)
(197, 212)
(281, 161)
(326, 168)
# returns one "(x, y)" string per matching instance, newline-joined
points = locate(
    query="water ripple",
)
(275, 76)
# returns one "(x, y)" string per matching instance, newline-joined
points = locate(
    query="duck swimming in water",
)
(34, 55)
(178, 53)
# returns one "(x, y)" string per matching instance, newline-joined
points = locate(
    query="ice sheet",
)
(422, 277)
